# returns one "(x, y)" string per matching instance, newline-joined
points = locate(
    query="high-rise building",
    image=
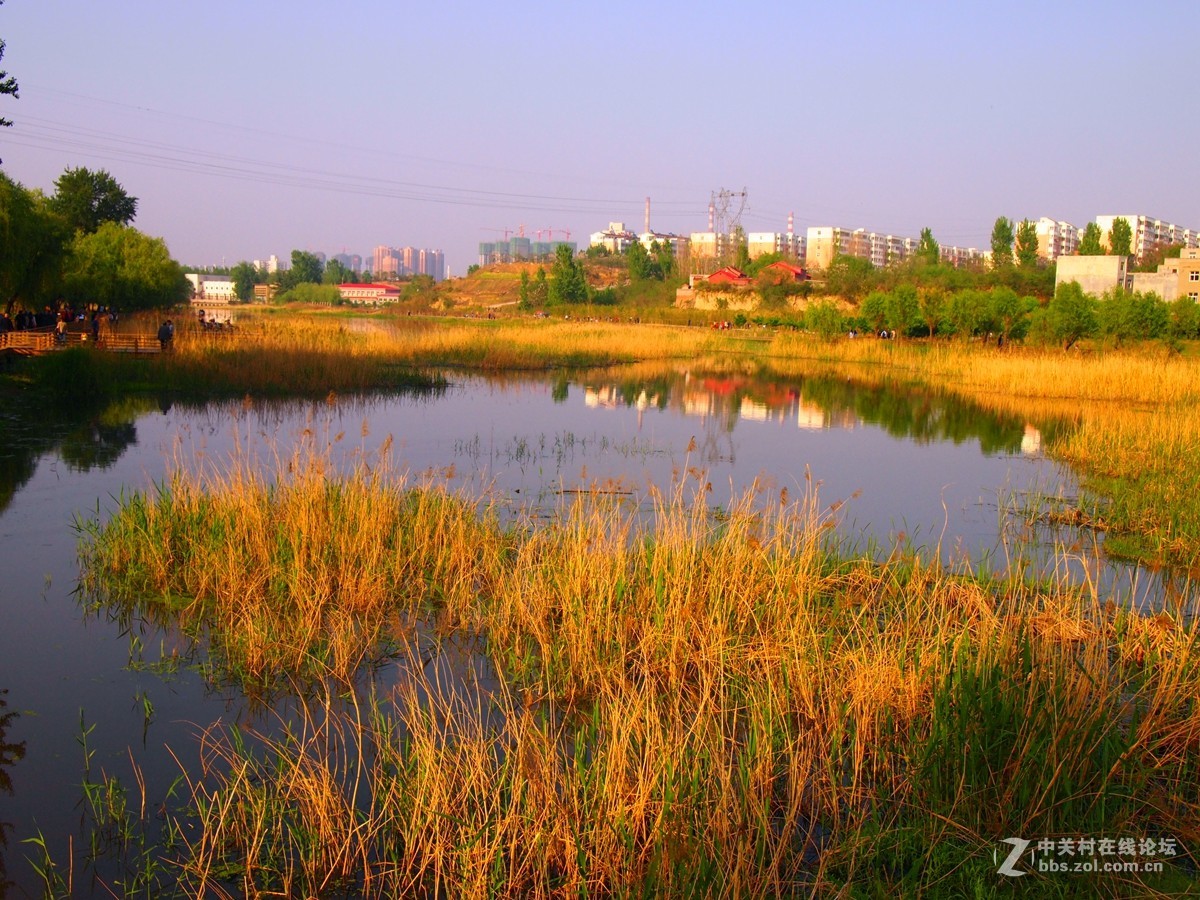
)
(1149, 233)
(1055, 238)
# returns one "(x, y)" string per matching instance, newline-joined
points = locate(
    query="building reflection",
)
(813, 404)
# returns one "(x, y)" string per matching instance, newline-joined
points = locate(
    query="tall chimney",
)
(791, 222)
(647, 215)
(712, 212)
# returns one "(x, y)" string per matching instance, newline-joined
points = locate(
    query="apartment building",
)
(1056, 238)
(1149, 233)
(789, 245)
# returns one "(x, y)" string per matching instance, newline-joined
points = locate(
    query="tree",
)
(244, 276)
(965, 312)
(118, 266)
(33, 242)
(570, 282)
(874, 310)
(336, 273)
(87, 199)
(305, 269)
(1157, 255)
(928, 251)
(1002, 243)
(1120, 238)
(1027, 245)
(8, 86)
(825, 319)
(1089, 243)
(1071, 315)
(902, 309)
(932, 304)
(641, 266)
(1183, 318)
(664, 256)
(1008, 312)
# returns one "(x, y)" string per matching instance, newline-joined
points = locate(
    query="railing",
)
(129, 343)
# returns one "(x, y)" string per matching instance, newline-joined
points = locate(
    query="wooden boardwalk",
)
(34, 342)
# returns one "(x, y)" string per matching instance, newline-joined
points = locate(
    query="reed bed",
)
(1132, 422)
(678, 704)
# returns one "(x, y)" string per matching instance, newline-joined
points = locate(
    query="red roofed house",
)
(785, 272)
(369, 293)
(728, 275)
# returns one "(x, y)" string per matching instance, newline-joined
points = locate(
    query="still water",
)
(912, 468)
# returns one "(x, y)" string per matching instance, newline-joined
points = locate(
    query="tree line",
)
(77, 246)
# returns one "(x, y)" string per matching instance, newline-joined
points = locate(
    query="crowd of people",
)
(59, 321)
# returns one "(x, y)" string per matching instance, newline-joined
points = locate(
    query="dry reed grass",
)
(685, 704)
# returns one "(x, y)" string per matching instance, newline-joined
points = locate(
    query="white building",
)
(212, 288)
(1149, 233)
(616, 239)
(1056, 238)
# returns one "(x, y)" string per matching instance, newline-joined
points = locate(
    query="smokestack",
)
(712, 212)
(791, 222)
(647, 215)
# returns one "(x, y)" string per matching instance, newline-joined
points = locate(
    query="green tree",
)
(902, 308)
(1002, 243)
(1123, 315)
(8, 85)
(1008, 313)
(641, 266)
(1183, 319)
(87, 199)
(966, 312)
(306, 268)
(874, 310)
(1157, 255)
(928, 252)
(932, 305)
(244, 276)
(1089, 242)
(664, 257)
(1120, 238)
(825, 319)
(1027, 245)
(1071, 315)
(850, 277)
(33, 243)
(336, 273)
(569, 284)
(118, 266)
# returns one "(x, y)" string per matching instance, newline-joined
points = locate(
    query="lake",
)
(911, 468)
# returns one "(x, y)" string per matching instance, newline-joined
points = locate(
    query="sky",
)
(246, 129)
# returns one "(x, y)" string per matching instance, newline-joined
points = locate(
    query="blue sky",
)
(246, 129)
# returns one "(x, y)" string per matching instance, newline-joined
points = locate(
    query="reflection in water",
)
(10, 754)
(923, 415)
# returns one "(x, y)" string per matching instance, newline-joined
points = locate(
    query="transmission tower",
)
(728, 207)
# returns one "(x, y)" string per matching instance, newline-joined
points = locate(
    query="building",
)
(386, 261)
(616, 238)
(824, 243)
(707, 244)
(519, 249)
(212, 288)
(1149, 233)
(369, 294)
(1175, 277)
(1095, 274)
(788, 245)
(1055, 238)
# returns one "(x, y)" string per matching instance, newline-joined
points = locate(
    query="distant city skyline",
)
(444, 127)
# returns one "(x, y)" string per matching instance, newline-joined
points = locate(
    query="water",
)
(915, 468)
